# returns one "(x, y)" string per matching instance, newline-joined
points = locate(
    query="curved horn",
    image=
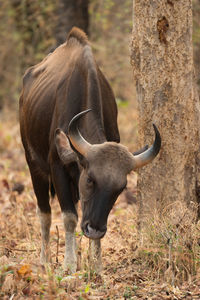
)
(79, 143)
(141, 150)
(148, 155)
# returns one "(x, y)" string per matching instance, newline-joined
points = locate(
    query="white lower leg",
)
(45, 222)
(70, 222)
(95, 255)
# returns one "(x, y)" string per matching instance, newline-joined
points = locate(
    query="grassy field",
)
(162, 263)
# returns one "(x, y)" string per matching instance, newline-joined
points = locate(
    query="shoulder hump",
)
(79, 35)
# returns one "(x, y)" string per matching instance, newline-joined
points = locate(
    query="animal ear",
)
(65, 152)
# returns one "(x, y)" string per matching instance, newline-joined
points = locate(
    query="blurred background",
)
(30, 29)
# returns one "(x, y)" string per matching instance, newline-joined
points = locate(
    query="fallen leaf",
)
(26, 290)
(24, 270)
(18, 187)
(6, 184)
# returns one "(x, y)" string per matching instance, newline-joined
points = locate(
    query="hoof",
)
(70, 266)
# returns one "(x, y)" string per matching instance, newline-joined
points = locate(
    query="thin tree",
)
(71, 13)
(162, 60)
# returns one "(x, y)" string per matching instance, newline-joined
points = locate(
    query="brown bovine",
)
(89, 164)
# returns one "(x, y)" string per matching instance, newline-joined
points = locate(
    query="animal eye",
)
(89, 180)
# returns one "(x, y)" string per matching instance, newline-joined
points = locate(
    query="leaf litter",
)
(130, 270)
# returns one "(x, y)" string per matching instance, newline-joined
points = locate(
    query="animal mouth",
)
(93, 233)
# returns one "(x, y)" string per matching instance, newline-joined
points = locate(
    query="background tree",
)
(162, 60)
(71, 13)
(30, 30)
(26, 35)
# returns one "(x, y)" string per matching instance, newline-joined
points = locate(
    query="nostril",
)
(91, 230)
(94, 233)
(87, 228)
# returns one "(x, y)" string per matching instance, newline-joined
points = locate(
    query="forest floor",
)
(130, 270)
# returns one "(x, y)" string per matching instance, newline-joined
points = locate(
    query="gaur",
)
(68, 124)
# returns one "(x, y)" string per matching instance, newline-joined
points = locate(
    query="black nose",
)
(93, 233)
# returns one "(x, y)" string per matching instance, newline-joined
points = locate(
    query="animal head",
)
(104, 173)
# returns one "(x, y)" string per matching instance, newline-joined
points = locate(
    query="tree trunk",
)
(162, 60)
(196, 38)
(71, 13)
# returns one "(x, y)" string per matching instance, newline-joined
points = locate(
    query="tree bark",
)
(162, 60)
(71, 13)
(196, 38)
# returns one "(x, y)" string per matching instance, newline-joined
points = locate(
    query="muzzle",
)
(93, 233)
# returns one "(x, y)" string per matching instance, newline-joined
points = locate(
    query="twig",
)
(169, 242)
(79, 256)
(12, 297)
(22, 250)
(58, 237)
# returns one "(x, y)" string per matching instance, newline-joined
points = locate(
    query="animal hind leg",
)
(45, 224)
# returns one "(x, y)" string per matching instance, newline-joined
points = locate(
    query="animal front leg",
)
(70, 222)
(95, 255)
(45, 223)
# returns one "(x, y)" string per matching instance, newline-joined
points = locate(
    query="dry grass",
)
(162, 263)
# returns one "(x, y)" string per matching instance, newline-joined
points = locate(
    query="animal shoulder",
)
(79, 35)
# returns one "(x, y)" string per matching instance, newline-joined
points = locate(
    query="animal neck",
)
(94, 129)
